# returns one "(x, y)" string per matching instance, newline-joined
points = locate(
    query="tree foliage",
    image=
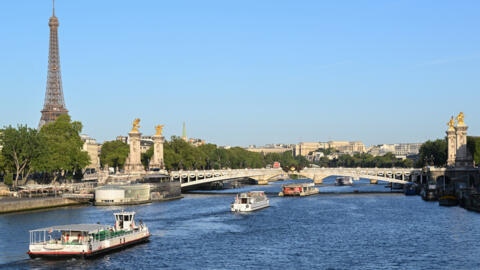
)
(63, 156)
(147, 156)
(473, 146)
(114, 153)
(179, 154)
(2, 163)
(433, 153)
(366, 161)
(22, 146)
(287, 160)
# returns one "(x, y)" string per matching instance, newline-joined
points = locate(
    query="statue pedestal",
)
(157, 159)
(452, 147)
(463, 158)
(134, 163)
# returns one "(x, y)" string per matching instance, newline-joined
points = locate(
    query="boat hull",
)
(448, 202)
(89, 254)
(250, 208)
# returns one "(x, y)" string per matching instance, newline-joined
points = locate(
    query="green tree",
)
(8, 179)
(2, 163)
(63, 156)
(22, 146)
(433, 153)
(147, 156)
(114, 153)
(473, 146)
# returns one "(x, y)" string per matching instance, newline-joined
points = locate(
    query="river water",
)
(327, 231)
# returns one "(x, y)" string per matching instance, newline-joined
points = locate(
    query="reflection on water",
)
(365, 231)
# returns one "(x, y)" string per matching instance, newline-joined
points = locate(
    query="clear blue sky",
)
(249, 72)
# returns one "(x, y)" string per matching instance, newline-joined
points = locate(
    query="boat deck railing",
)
(105, 235)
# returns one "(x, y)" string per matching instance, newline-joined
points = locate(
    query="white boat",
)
(87, 240)
(250, 201)
(344, 181)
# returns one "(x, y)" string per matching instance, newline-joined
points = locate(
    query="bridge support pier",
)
(262, 181)
(318, 179)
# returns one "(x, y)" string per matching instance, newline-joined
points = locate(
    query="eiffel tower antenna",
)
(53, 7)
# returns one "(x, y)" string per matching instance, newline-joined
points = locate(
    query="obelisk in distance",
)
(54, 105)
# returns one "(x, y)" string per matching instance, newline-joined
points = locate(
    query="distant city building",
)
(306, 148)
(122, 139)
(91, 146)
(145, 142)
(315, 156)
(271, 148)
(196, 142)
(400, 149)
(405, 149)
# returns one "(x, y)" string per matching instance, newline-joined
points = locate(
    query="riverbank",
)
(11, 205)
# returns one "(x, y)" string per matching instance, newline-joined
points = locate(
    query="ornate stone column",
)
(157, 158)
(134, 163)
(462, 158)
(452, 143)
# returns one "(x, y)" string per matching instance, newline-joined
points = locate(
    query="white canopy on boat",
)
(76, 228)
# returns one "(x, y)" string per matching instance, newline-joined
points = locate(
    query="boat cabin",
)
(125, 220)
(250, 197)
(300, 189)
(75, 234)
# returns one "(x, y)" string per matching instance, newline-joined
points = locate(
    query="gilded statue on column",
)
(159, 130)
(460, 118)
(136, 125)
(451, 124)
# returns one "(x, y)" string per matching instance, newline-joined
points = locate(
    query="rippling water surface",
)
(339, 231)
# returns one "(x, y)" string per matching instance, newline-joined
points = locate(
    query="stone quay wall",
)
(25, 204)
(165, 191)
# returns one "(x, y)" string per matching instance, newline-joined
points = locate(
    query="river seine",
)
(326, 231)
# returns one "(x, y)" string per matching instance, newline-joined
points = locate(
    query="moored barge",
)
(303, 189)
(87, 240)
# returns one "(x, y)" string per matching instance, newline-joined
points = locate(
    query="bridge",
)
(263, 176)
(392, 175)
(193, 178)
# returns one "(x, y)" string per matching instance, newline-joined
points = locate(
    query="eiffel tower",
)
(54, 105)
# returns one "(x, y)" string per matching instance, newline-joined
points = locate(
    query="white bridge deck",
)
(393, 175)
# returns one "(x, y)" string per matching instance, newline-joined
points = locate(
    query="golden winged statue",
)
(135, 125)
(159, 129)
(451, 124)
(460, 118)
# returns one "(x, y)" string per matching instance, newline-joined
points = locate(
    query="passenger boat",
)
(250, 201)
(344, 181)
(448, 200)
(303, 189)
(87, 240)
